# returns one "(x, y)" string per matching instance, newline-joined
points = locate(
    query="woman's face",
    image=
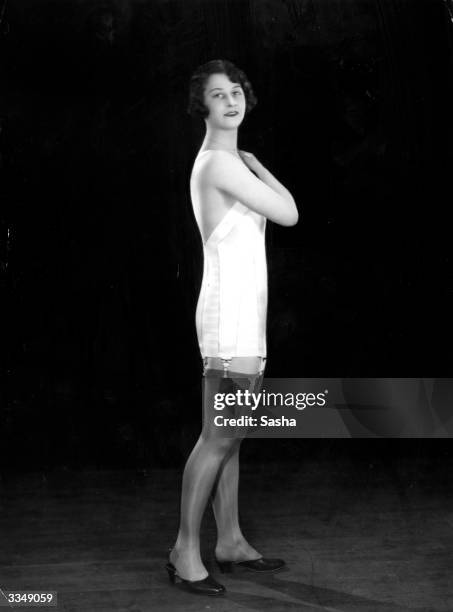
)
(225, 101)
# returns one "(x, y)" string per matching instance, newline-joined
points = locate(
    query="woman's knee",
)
(219, 444)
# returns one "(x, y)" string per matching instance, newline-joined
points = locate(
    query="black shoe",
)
(207, 586)
(257, 565)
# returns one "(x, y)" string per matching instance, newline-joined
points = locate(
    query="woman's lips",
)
(232, 114)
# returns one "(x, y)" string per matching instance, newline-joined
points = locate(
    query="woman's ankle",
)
(188, 564)
(235, 549)
(182, 549)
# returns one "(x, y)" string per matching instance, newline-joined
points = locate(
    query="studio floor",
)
(356, 538)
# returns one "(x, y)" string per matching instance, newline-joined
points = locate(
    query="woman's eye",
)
(239, 93)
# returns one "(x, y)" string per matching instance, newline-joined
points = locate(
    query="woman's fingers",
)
(250, 161)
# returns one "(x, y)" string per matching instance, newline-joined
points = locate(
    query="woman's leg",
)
(199, 476)
(231, 543)
(198, 479)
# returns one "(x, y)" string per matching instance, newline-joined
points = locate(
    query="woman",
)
(232, 195)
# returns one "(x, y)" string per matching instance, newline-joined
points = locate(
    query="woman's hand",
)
(251, 162)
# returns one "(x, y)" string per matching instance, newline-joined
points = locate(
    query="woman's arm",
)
(263, 174)
(264, 195)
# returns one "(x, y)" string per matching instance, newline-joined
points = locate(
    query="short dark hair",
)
(196, 107)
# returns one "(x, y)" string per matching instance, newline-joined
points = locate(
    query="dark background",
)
(100, 255)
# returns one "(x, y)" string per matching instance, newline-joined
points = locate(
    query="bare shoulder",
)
(214, 166)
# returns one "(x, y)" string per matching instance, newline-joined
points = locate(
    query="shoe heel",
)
(225, 567)
(171, 572)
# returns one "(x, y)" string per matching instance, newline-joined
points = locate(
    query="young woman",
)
(232, 195)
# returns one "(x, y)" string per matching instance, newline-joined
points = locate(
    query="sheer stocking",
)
(231, 544)
(212, 464)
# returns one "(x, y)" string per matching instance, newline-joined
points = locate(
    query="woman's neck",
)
(226, 141)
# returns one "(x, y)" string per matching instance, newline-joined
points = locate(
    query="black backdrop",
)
(100, 256)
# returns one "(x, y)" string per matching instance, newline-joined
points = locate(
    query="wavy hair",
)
(196, 107)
